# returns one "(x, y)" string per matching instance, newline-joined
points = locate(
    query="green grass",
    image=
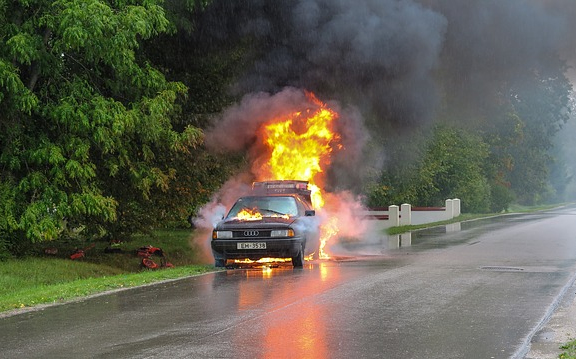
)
(569, 350)
(177, 244)
(41, 279)
(516, 208)
(461, 218)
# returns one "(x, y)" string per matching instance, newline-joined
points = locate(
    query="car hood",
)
(271, 222)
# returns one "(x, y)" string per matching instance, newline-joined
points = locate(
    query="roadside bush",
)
(452, 166)
(501, 198)
(569, 350)
(474, 195)
(4, 250)
(6, 217)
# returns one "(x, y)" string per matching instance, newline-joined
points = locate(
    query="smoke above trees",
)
(389, 57)
(495, 67)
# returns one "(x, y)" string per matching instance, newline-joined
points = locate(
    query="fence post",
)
(406, 239)
(449, 209)
(393, 241)
(457, 210)
(405, 214)
(393, 216)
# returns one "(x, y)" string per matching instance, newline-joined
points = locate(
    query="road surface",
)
(480, 289)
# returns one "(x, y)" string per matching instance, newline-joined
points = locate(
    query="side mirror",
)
(310, 213)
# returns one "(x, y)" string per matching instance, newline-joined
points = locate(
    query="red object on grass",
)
(149, 263)
(78, 254)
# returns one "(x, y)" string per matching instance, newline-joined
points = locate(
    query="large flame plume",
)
(300, 147)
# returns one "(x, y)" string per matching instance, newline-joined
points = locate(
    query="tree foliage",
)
(83, 114)
(452, 165)
(102, 103)
(543, 105)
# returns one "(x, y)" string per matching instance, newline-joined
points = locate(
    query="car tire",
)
(220, 262)
(298, 261)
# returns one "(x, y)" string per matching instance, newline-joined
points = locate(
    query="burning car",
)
(275, 221)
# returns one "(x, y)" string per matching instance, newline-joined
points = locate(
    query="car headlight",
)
(282, 233)
(221, 234)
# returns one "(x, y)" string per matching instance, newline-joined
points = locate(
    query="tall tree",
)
(452, 165)
(83, 114)
(542, 101)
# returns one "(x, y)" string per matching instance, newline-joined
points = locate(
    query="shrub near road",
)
(569, 351)
(39, 278)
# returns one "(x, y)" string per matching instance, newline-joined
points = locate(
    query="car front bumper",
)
(275, 248)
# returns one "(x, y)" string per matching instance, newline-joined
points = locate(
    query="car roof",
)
(295, 188)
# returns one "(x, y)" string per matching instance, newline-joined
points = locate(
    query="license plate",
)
(251, 245)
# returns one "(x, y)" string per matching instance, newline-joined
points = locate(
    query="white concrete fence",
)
(408, 215)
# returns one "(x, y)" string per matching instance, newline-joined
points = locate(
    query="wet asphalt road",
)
(476, 290)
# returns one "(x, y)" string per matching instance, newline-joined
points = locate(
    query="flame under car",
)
(276, 221)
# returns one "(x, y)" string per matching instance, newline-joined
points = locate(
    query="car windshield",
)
(262, 206)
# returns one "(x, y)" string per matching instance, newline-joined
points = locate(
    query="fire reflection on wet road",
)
(442, 293)
(279, 324)
(305, 330)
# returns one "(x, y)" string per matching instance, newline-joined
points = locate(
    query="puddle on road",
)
(437, 237)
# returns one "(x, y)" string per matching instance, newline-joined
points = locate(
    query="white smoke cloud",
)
(214, 211)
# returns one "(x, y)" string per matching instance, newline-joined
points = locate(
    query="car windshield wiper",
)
(272, 211)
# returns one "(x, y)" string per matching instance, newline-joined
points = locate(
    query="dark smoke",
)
(388, 65)
(374, 54)
(395, 63)
(374, 57)
(491, 44)
(386, 56)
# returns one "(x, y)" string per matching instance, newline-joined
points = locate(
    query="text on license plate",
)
(251, 245)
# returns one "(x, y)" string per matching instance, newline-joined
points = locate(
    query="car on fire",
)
(276, 220)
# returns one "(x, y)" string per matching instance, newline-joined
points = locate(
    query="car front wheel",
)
(298, 261)
(220, 262)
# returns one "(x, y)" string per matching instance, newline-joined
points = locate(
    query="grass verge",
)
(39, 278)
(569, 350)
(45, 293)
(461, 218)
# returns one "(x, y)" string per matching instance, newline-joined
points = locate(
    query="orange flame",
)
(328, 231)
(249, 215)
(262, 260)
(301, 146)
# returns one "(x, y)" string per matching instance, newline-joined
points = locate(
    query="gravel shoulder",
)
(560, 329)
